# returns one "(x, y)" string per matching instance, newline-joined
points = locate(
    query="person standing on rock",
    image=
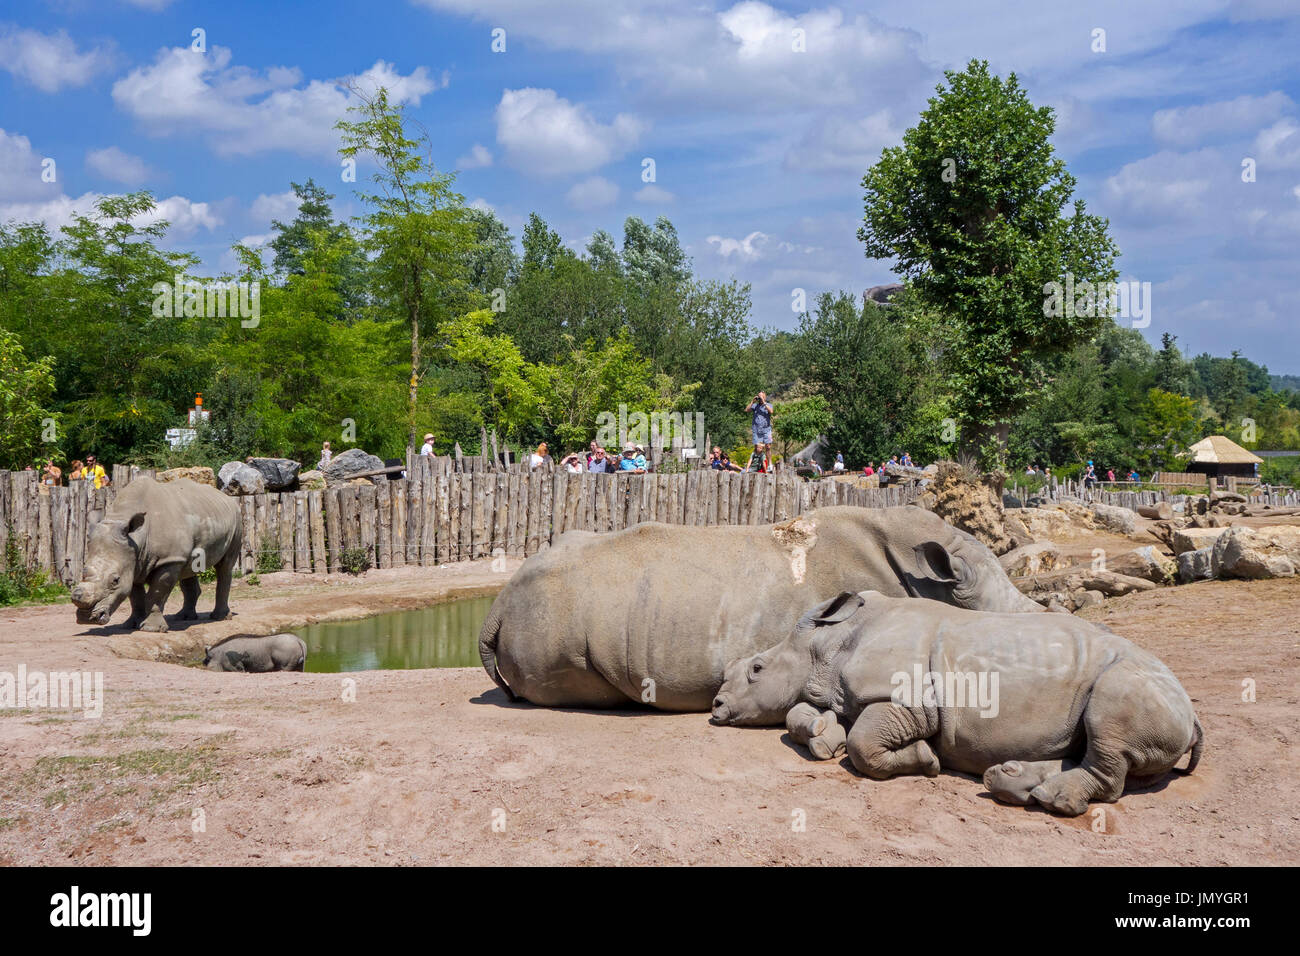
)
(325, 455)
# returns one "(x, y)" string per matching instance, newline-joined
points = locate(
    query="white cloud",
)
(21, 170)
(838, 143)
(1168, 187)
(546, 135)
(282, 206)
(1279, 145)
(184, 215)
(243, 111)
(1189, 125)
(594, 193)
(477, 158)
(112, 163)
(482, 205)
(750, 248)
(51, 61)
(654, 194)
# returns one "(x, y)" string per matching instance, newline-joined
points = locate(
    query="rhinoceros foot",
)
(154, 623)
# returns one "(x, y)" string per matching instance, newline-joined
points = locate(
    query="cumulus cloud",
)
(477, 158)
(50, 61)
(243, 111)
(545, 135)
(185, 216)
(654, 194)
(121, 167)
(594, 193)
(21, 170)
(1279, 145)
(840, 143)
(1189, 125)
(282, 206)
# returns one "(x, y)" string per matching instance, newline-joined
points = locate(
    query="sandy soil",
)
(191, 767)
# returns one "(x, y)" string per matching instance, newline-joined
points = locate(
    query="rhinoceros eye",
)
(754, 668)
(116, 580)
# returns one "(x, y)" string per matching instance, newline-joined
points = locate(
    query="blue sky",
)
(758, 147)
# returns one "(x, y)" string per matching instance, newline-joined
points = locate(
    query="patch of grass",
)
(20, 584)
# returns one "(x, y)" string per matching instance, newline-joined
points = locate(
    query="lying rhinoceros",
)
(255, 654)
(153, 536)
(654, 613)
(1049, 708)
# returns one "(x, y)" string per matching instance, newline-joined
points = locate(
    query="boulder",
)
(203, 476)
(1038, 524)
(1112, 584)
(971, 502)
(349, 464)
(280, 474)
(1232, 496)
(311, 481)
(1086, 598)
(237, 478)
(1011, 501)
(1147, 563)
(1269, 552)
(1194, 539)
(1031, 559)
(1195, 565)
(1119, 520)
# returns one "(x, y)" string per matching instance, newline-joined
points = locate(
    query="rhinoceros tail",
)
(487, 649)
(1197, 743)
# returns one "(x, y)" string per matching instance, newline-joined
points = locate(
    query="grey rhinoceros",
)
(653, 613)
(255, 654)
(153, 536)
(1050, 708)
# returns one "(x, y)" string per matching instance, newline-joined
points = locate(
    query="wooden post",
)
(331, 499)
(301, 536)
(316, 520)
(384, 525)
(397, 498)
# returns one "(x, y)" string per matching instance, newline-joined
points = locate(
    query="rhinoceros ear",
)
(934, 561)
(839, 608)
(135, 522)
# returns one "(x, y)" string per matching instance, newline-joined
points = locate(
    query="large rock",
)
(1194, 539)
(1146, 563)
(1270, 552)
(1031, 559)
(280, 474)
(203, 476)
(1118, 520)
(1160, 511)
(971, 502)
(347, 465)
(1195, 565)
(238, 478)
(311, 481)
(1048, 523)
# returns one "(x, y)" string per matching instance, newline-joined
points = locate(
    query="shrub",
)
(19, 583)
(269, 559)
(355, 560)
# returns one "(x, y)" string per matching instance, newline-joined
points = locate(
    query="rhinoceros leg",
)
(139, 610)
(160, 587)
(190, 591)
(887, 740)
(1012, 781)
(225, 571)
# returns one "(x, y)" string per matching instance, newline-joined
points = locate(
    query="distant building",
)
(1223, 457)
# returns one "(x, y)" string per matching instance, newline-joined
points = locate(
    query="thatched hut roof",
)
(1218, 450)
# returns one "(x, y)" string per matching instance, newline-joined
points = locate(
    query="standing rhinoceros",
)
(254, 654)
(153, 536)
(654, 613)
(1049, 708)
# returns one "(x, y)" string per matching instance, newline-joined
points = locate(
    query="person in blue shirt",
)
(628, 461)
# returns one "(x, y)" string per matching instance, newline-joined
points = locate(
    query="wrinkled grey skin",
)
(1079, 712)
(654, 613)
(257, 655)
(152, 537)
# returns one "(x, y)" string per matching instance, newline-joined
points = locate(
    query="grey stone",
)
(280, 474)
(1196, 565)
(347, 465)
(238, 478)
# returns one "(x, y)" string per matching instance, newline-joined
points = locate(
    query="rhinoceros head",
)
(759, 690)
(963, 571)
(110, 569)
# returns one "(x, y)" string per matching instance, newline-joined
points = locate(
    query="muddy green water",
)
(445, 635)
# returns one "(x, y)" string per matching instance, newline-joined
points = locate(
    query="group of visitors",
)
(597, 460)
(1091, 474)
(90, 470)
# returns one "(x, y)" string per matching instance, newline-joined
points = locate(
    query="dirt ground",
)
(435, 766)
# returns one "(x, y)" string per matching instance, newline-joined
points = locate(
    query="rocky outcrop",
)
(1147, 563)
(203, 476)
(1195, 565)
(280, 474)
(238, 478)
(1194, 539)
(1270, 552)
(1117, 520)
(1031, 559)
(971, 502)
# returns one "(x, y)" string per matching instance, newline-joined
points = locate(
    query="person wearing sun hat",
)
(427, 447)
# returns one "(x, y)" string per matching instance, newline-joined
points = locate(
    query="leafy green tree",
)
(973, 208)
(417, 228)
(800, 421)
(1169, 427)
(26, 387)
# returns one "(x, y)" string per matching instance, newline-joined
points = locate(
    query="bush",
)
(355, 560)
(268, 557)
(19, 583)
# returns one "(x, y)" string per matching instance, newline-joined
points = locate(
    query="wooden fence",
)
(1105, 493)
(435, 515)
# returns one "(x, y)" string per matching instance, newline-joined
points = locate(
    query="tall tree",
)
(973, 208)
(417, 227)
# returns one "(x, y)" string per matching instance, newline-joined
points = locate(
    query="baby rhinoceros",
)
(1049, 708)
(257, 655)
